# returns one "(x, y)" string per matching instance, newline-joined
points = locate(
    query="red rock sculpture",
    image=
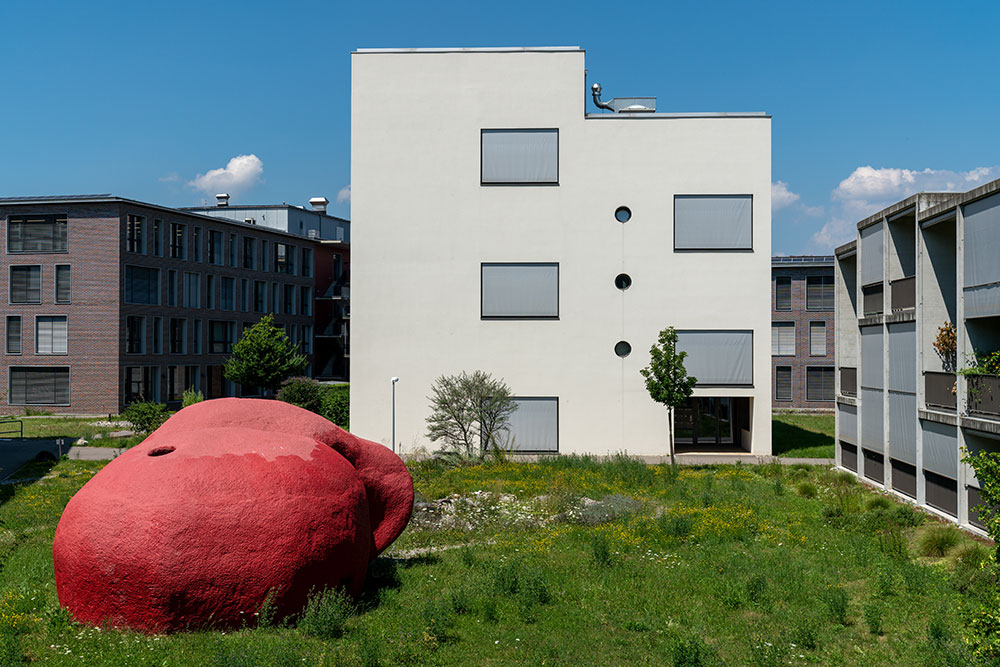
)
(227, 501)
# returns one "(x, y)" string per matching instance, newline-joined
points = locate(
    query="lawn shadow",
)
(786, 437)
(26, 475)
(383, 575)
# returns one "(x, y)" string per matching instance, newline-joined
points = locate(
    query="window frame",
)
(135, 240)
(776, 280)
(784, 324)
(791, 383)
(178, 241)
(483, 317)
(555, 183)
(125, 291)
(142, 334)
(20, 335)
(833, 382)
(833, 293)
(69, 383)
(542, 398)
(22, 219)
(825, 346)
(50, 317)
(748, 249)
(740, 385)
(157, 237)
(10, 284)
(55, 283)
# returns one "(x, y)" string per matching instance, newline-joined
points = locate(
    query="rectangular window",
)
(263, 256)
(783, 383)
(13, 334)
(157, 238)
(36, 233)
(783, 293)
(178, 242)
(249, 252)
(817, 339)
(64, 291)
(175, 383)
(133, 234)
(192, 290)
(196, 244)
(220, 337)
(534, 425)
(192, 377)
(284, 258)
(171, 287)
(215, 248)
(819, 383)
(227, 296)
(520, 291)
(274, 298)
(51, 335)
(293, 332)
(135, 335)
(307, 262)
(520, 157)
(26, 284)
(782, 339)
(307, 339)
(722, 358)
(141, 384)
(259, 296)
(244, 295)
(157, 335)
(819, 293)
(289, 300)
(232, 250)
(44, 385)
(142, 285)
(210, 291)
(305, 300)
(178, 337)
(196, 337)
(713, 222)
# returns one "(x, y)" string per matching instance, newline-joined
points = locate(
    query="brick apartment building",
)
(111, 299)
(802, 333)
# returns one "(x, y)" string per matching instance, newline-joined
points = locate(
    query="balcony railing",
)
(984, 395)
(939, 390)
(848, 381)
(903, 293)
(873, 299)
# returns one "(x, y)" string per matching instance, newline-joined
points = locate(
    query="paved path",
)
(95, 453)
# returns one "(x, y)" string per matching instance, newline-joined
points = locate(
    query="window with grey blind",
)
(36, 233)
(817, 339)
(51, 334)
(42, 385)
(783, 293)
(135, 335)
(819, 293)
(520, 291)
(783, 383)
(26, 284)
(713, 222)
(721, 358)
(520, 157)
(227, 297)
(64, 273)
(782, 339)
(534, 425)
(192, 290)
(142, 285)
(133, 234)
(872, 254)
(13, 334)
(819, 383)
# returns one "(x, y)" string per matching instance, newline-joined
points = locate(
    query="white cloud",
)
(239, 175)
(344, 194)
(868, 190)
(172, 177)
(781, 196)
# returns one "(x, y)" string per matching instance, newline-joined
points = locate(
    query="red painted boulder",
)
(227, 501)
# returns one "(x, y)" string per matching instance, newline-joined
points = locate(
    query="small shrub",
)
(877, 503)
(268, 610)
(676, 527)
(886, 582)
(534, 588)
(798, 474)
(145, 416)
(467, 556)
(971, 555)
(303, 392)
(600, 547)
(938, 633)
(690, 651)
(805, 631)
(505, 578)
(489, 609)
(779, 486)
(326, 614)
(907, 517)
(755, 587)
(439, 619)
(461, 600)
(336, 405)
(836, 602)
(938, 540)
(191, 396)
(806, 489)
(893, 544)
(873, 617)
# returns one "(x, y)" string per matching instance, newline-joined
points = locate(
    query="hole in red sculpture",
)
(160, 451)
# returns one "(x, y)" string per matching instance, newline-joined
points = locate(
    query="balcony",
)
(984, 395)
(939, 391)
(903, 293)
(872, 299)
(848, 381)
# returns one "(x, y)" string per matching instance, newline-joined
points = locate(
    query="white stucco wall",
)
(422, 224)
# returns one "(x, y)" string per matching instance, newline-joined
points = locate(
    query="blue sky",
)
(871, 101)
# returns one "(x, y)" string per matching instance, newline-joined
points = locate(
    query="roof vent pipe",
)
(596, 89)
(222, 199)
(319, 204)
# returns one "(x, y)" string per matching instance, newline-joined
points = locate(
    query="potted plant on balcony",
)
(983, 374)
(946, 346)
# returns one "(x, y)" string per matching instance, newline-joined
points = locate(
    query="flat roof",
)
(789, 261)
(682, 114)
(473, 49)
(252, 207)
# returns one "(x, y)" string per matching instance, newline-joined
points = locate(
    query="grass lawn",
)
(73, 428)
(805, 436)
(511, 564)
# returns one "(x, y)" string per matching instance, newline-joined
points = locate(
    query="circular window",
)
(623, 214)
(623, 349)
(623, 281)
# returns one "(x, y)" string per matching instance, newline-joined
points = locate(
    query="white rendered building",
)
(487, 208)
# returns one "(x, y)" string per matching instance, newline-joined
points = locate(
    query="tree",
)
(470, 413)
(264, 357)
(667, 380)
(987, 467)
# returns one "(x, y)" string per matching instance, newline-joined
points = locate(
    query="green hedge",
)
(327, 400)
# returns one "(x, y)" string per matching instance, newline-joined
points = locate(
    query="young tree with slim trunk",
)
(667, 380)
(264, 357)
(470, 414)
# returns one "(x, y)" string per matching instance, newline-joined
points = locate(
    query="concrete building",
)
(313, 223)
(111, 299)
(903, 416)
(802, 333)
(500, 226)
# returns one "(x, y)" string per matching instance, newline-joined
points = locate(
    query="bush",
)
(907, 517)
(873, 617)
(690, 651)
(836, 603)
(145, 416)
(805, 631)
(192, 396)
(938, 540)
(677, 527)
(336, 405)
(877, 503)
(600, 547)
(893, 544)
(303, 392)
(326, 614)
(806, 489)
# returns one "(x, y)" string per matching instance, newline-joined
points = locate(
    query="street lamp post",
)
(394, 381)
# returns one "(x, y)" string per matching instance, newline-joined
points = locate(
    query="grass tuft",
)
(937, 540)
